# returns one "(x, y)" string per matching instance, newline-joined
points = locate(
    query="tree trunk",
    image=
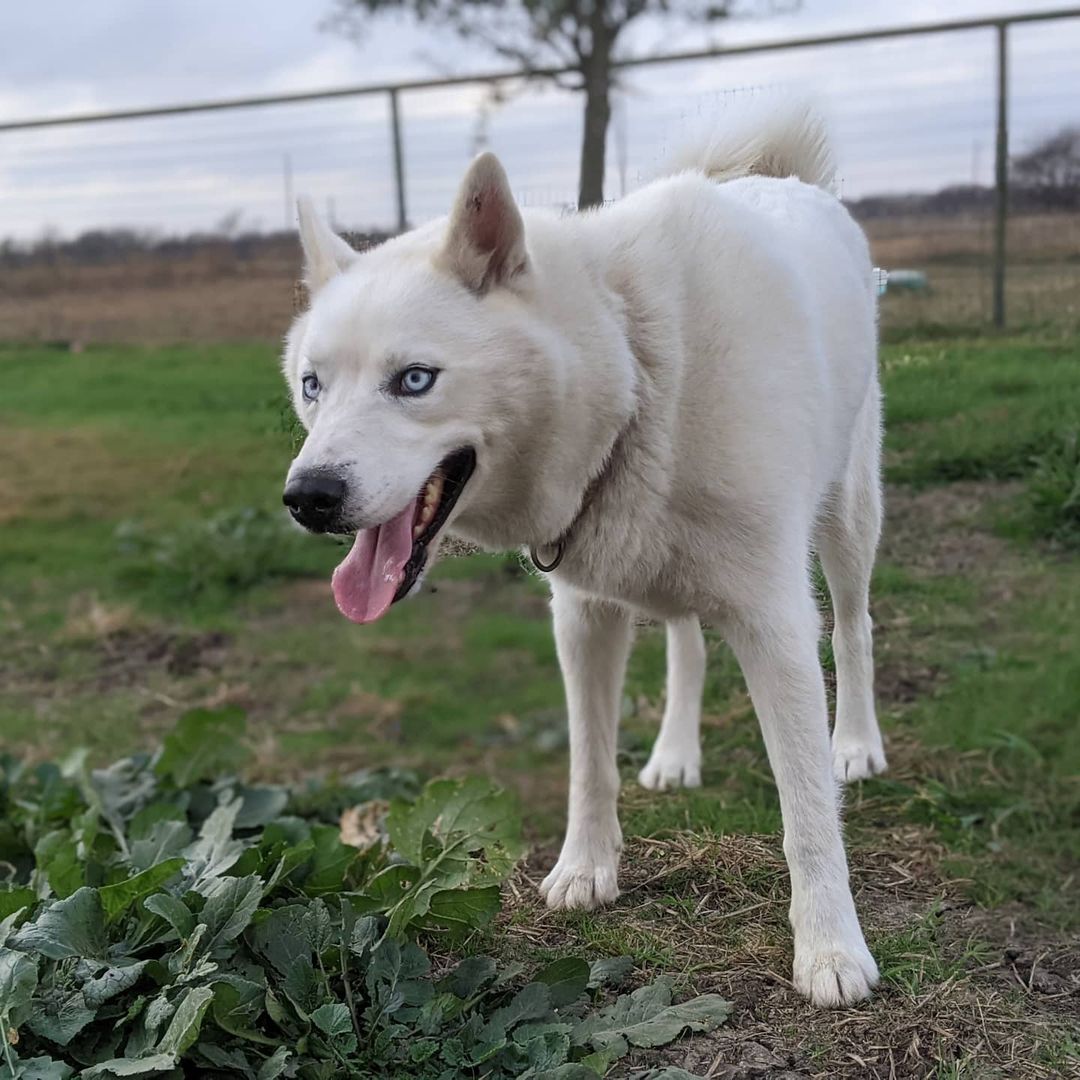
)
(597, 71)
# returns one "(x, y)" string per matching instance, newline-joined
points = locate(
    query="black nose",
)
(314, 498)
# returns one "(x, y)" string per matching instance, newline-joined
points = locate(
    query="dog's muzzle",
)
(315, 498)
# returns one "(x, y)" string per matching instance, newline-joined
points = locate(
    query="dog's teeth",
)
(427, 513)
(416, 531)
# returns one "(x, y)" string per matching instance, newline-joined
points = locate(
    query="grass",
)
(978, 409)
(142, 571)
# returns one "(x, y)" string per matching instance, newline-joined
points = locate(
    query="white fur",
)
(684, 387)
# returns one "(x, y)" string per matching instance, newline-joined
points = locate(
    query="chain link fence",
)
(175, 223)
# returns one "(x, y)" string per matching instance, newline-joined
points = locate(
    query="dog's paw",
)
(835, 976)
(673, 767)
(855, 759)
(581, 886)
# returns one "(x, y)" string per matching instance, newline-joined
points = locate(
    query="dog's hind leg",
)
(847, 538)
(676, 755)
(593, 640)
(775, 640)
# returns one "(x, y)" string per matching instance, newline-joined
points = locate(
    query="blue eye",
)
(415, 380)
(310, 386)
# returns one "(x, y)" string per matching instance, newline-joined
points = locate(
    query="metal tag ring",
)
(546, 568)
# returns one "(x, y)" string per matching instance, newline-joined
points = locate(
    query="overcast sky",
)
(906, 114)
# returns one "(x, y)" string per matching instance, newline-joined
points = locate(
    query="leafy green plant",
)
(163, 918)
(1054, 490)
(230, 552)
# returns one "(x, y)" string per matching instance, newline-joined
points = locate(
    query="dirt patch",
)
(939, 530)
(900, 682)
(124, 657)
(714, 910)
(1035, 960)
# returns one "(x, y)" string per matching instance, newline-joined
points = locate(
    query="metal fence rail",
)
(999, 25)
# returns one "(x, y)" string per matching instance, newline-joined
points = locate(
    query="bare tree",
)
(1049, 173)
(540, 35)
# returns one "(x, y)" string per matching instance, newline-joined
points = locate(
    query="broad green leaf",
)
(532, 1002)
(331, 861)
(387, 888)
(173, 910)
(472, 975)
(116, 899)
(113, 981)
(229, 908)
(184, 1026)
(291, 934)
(204, 743)
(57, 859)
(142, 1066)
(18, 981)
(227, 1060)
(409, 910)
(14, 900)
(647, 1018)
(609, 971)
(120, 791)
(71, 927)
(364, 935)
(142, 824)
(304, 988)
(238, 1003)
(333, 1019)
(59, 1019)
(436, 1012)
(421, 1050)
(601, 1060)
(215, 851)
(42, 1068)
(165, 840)
(458, 912)
(275, 1010)
(274, 1065)
(260, 805)
(397, 975)
(567, 979)
(463, 817)
(544, 1049)
(7, 925)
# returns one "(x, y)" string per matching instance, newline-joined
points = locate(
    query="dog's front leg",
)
(777, 648)
(593, 640)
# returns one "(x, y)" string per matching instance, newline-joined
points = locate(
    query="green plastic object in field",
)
(911, 280)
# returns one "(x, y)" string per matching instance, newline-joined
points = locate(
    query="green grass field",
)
(145, 568)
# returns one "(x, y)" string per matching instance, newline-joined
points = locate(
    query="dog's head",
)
(399, 372)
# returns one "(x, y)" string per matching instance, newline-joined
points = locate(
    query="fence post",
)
(399, 165)
(1001, 173)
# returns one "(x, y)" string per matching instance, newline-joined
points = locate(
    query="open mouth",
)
(386, 561)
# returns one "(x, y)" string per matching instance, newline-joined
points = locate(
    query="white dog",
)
(675, 400)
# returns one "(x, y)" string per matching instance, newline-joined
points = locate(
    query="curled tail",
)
(788, 140)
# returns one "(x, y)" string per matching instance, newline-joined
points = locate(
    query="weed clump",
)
(1054, 490)
(228, 553)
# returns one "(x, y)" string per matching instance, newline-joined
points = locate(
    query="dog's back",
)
(751, 288)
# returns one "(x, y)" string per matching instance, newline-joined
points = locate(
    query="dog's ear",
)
(325, 253)
(485, 241)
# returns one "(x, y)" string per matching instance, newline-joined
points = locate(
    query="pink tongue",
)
(366, 581)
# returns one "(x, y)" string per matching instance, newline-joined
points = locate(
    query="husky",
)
(672, 401)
